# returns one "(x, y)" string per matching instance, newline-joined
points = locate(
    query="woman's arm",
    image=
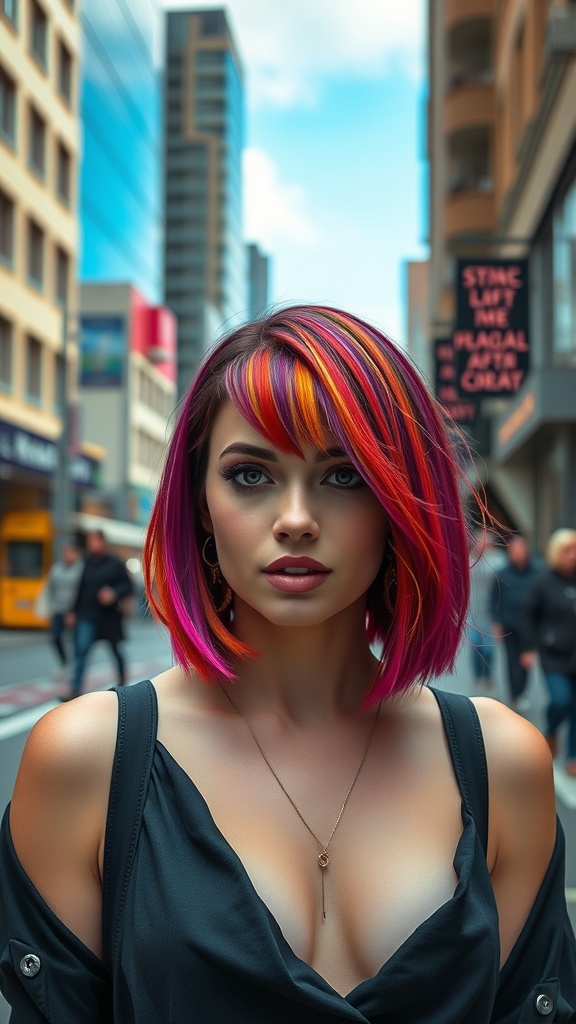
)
(59, 807)
(522, 825)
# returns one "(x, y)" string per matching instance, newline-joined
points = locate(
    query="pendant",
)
(323, 860)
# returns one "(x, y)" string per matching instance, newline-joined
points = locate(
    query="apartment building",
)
(39, 143)
(502, 151)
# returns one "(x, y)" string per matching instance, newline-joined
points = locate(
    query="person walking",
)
(96, 613)
(60, 593)
(506, 606)
(487, 562)
(549, 630)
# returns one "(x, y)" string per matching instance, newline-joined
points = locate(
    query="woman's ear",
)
(204, 514)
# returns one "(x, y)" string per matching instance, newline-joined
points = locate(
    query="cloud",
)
(274, 210)
(291, 49)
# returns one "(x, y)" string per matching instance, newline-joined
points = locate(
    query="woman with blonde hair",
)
(550, 620)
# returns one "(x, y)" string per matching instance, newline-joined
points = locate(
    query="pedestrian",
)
(96, 613)
(507, 598)
(60, 592)
(295, 830)
(549, 631)
(487, 561)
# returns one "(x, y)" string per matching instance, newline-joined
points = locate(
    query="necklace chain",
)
(323, 858)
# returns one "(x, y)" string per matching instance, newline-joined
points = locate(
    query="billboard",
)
(463, 410)
(102, 351)
(491, 336)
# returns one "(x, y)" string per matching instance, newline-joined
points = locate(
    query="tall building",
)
(204, 263)
(258, 280)
(39, 145)
(127, 385)
(502, 150)
(120, 203)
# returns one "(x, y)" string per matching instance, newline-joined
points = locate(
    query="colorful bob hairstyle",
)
(294, 375)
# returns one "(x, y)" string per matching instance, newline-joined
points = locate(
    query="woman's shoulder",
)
(517, 753)
(67, 760)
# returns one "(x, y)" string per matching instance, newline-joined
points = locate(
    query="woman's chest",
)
(389, 854)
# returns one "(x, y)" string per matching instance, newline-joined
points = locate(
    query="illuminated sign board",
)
(463, 410)
(490, 339)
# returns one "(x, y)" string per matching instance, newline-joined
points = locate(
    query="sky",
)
(334, 166)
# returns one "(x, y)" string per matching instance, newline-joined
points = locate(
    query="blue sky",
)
(334, 169)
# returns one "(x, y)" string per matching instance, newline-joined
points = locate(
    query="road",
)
(27, 691)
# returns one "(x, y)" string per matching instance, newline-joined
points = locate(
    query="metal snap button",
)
(30, 965)
(544, 1005)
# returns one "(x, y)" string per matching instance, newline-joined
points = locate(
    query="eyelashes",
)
(341, 478)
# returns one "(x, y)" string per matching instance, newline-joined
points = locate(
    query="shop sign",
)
(491, 339)
(463, 410)
(102, 349)
(40, 455)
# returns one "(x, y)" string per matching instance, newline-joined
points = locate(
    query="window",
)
(564, 270)
(24, 559)
(33, 370)
(38, 33)
(10, 9)
(7, 106)
(62, 273)
(5, 354)
(6, 228)
(64, 72)
(35, 254)
(37, 142)
(63, 176)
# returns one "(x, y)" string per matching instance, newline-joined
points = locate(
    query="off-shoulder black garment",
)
(188, 939)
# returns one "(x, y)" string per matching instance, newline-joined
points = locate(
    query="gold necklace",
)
(323, 858)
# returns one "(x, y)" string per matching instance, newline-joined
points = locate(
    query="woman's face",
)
(567, 558)
(297, 540)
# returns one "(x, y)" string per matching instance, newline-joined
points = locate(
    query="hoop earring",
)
(216, 578)
(390, 580)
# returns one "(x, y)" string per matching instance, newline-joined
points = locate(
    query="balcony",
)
(470, 103)
(457, 11)
(469, 212)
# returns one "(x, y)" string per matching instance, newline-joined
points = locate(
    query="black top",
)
(106, 571)
(549, 621)
(188, 939)
(508, 594)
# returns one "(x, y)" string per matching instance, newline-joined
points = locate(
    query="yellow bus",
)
(26, 540)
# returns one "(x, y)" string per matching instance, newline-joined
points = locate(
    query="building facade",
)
(120, 184)
(258, 280)
(502, 149)
(204, 255)
(39, 146)
(127, 384)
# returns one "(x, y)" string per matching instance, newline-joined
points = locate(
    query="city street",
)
(27, 691)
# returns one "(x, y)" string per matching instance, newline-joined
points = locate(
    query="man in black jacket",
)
(96, 613)
(507, 599)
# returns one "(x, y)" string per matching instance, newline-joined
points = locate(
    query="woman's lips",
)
(296, 575)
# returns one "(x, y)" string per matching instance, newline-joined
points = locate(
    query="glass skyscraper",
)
(121, 165)
(205, 258)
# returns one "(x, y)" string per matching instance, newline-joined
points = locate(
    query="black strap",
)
(135, 741)
(464, 735)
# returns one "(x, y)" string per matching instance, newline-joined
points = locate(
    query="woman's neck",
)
(304, 673)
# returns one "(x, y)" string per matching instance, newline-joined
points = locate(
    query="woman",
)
(302, 839)
(550, 619)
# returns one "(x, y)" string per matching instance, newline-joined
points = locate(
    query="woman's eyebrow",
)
(243, 448)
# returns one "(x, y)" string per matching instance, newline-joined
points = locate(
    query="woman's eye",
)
(345, 476)
(249, 477)
(245, 477)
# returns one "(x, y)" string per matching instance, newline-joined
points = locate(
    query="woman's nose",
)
(295, 518)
